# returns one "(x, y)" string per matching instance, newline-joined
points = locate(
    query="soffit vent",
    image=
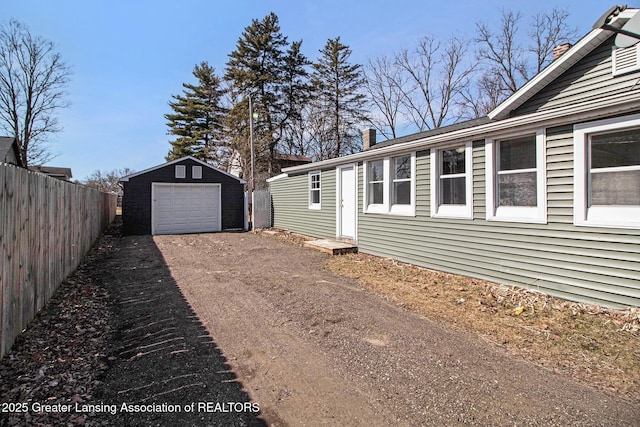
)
(626, 60)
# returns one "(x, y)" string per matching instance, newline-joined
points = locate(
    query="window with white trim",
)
(516, 171)
(314, 190)
(516, 178)
(401, 187)
(390, 185)
(375, 183)
(196, 172)
(607, 176)
(181, 171)
(452, 182)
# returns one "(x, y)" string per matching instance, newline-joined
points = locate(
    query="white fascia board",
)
(599, 108)
(277, 177)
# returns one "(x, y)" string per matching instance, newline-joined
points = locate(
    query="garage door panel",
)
(186, 208)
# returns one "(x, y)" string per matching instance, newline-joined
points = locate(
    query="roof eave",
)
(578, 51)
(603, 107)
(126, 178)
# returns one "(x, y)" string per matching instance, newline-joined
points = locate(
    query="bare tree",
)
(436, 75)
(384, 82)
(480, 98)
(32, 81)
(548, 31)
(504, 56)
(107, 181)
(508, 62)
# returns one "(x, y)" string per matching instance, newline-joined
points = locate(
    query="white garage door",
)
(185, 208)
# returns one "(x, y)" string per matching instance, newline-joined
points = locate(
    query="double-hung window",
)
(607, 176)
(390, 185)
(515, 173)
(314, 190)
(402, 184)
(375, 183)
(452, 182)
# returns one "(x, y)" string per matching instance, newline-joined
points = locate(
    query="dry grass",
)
(596, 346)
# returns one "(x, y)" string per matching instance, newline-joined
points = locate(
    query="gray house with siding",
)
(543, 193)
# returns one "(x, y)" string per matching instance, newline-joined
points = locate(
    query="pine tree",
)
(295, 96)
(255, 69)
(198, 119)
(339, 100)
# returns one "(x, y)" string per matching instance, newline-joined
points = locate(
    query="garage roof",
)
(126, 178)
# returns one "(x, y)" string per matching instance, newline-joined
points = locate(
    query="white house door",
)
(347, 205)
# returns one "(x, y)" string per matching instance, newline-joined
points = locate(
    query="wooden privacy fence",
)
(46, 226)
(261, 209)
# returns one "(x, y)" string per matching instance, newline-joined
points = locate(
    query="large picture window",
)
(517, 170)
(516, 178)
(615, 169)
(607, 179)
(451, 182)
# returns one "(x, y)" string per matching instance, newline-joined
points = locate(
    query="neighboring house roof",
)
(126, 178)
(55, 172)
(500, 120)
(293, 157)
(9, 145)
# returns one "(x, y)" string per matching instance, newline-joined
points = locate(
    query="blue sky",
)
(128, 57)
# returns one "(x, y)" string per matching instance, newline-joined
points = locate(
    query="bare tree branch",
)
(549, 30)
(384, 81)
(508, 61)
(501, 51)
(435, 78)
(32, 81)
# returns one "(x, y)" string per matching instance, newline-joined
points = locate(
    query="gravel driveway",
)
(313, 348)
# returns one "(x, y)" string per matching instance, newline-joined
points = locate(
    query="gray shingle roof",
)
(433, 132)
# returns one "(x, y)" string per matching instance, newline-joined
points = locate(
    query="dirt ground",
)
(254, 320)
(316, 348)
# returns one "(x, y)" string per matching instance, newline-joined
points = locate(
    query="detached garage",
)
(182, 196)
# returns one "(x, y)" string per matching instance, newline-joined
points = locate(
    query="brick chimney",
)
(559, 50)
(368, 138)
